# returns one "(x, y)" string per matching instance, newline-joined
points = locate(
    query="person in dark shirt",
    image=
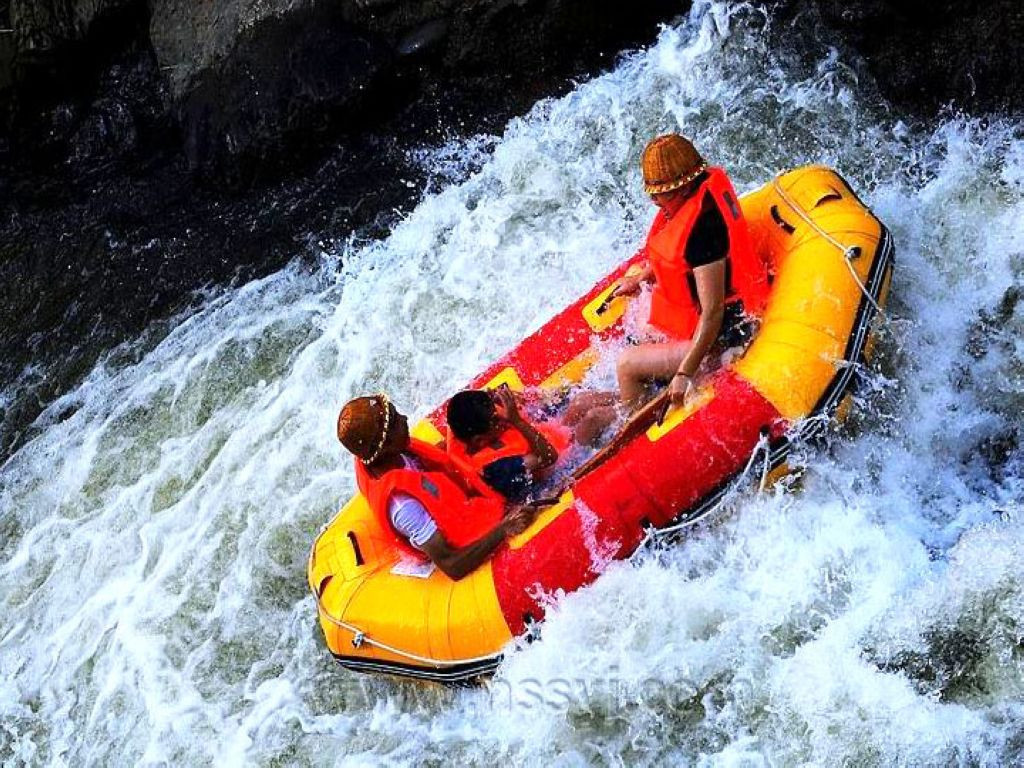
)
(690, 307)
(709, 243)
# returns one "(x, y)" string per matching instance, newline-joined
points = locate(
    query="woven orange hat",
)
(363, 426)
(670, 162)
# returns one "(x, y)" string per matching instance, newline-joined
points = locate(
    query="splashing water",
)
(153, 535)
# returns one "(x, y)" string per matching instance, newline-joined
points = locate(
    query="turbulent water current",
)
(154, 532)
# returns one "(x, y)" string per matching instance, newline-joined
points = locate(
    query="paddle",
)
(652, 413)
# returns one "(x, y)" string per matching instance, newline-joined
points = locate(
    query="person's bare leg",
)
(584, 402)
(638, 365)
(593, 424)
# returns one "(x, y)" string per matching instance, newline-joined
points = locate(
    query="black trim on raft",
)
(454, 675)
(853, 355)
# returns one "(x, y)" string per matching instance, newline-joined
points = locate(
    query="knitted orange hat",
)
(670, 162)
(363, 426)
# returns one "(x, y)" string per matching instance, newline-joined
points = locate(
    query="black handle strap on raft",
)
(777, 218)
(603, 306)
(355, 547)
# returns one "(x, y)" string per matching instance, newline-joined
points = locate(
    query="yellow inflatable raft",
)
(833, 265)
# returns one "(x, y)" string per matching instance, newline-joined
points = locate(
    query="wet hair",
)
(470, 414)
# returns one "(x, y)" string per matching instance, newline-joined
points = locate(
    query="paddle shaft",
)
(651, 413)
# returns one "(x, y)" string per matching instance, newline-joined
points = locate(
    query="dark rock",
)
(423, 38)
(7, 51)
(929, 55)
(89, 79)
(265, 81)
(294, 76)
(241, 78)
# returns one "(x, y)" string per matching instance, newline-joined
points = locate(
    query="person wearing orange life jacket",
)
(418, 494)
(489, 437)
(708, 279)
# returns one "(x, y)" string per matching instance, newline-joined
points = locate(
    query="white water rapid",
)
(153, 535)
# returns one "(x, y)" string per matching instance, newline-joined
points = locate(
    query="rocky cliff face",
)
(239, 79)
(241, 82)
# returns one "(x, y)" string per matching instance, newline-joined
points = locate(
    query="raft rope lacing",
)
(763, 445)
(360, 637)
(850, 252)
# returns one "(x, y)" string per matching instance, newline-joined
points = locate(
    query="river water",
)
(153, 536)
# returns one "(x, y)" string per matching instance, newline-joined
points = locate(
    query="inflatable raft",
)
(832, 263)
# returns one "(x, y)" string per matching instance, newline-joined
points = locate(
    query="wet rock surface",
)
(927, 56)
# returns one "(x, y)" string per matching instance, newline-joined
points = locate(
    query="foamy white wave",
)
(154, 535)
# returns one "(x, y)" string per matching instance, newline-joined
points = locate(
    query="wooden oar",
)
(652, 413)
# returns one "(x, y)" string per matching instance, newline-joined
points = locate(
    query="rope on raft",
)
(360, 637)
(850, 252)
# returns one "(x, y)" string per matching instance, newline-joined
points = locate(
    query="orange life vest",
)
(511, 442)
(463, 507)
(675, 308)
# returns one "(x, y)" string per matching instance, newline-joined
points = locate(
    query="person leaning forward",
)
(707, 276)
(414, 489)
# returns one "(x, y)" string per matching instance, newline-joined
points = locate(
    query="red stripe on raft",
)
(647, 481)
(687, 464)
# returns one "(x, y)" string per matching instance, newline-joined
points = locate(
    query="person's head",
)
(472, 415)
(371, 428)
(670, 165)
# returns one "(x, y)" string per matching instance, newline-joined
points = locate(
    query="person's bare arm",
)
(458, 562)
(542, 454)
(630, 284)
(710, 280)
